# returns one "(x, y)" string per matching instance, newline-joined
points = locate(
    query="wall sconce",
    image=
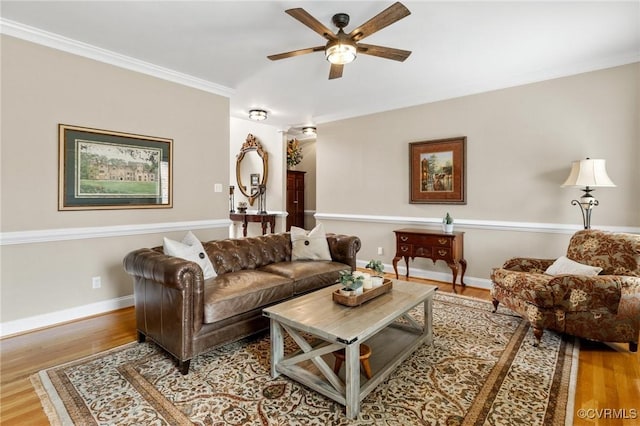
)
(309, 131)
(258, 114)
(590, 174)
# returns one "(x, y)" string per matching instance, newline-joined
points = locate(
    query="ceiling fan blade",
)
(335, 71)
(383, 52)
(295, 53)
(393, 13)
(311, 22)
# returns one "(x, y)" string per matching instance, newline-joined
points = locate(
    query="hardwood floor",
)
(608, 388)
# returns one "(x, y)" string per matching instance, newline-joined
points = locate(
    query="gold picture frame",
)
(437, 171)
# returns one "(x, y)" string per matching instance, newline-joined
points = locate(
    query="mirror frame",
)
(252, 144)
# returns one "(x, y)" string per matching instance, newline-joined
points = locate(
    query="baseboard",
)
(433, 275)
(11, 328)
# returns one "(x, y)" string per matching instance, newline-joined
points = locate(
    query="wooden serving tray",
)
(366, 295)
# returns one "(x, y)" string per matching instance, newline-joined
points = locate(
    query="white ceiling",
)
(458, 48)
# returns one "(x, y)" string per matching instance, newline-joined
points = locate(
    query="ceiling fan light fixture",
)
(258, 114)
(309, 131)
(340, 52)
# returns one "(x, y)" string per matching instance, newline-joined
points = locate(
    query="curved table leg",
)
(454, 270)
(395, 265)
(463, 263)
(406, 262)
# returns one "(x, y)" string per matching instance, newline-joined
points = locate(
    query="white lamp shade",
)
(588, 172)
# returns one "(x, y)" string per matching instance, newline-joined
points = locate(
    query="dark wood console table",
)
(263, 219)
(434, 245)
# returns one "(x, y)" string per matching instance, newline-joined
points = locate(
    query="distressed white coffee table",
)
(336, 327)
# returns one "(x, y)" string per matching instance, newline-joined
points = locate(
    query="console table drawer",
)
(441, 253)
(438, 241)
(408, 239)
(405, 249)
(423, 240)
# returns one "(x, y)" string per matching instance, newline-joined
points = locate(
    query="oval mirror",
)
(251, 168)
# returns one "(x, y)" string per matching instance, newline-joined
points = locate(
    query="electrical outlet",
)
(96, 282)
(217, 187)
(380, 250)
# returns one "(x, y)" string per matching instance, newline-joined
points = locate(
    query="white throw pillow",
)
(566, 266)
(190, 249)
(309, 245)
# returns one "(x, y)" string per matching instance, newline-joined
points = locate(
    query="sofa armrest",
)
(169, 298)
(581, 293)
(531, 287)
(344, 248)
(168, 271)
(528, 264)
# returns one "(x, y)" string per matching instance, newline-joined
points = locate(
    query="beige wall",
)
(520, 144)
(42, 87)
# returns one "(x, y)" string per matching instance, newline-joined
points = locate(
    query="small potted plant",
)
(447, 224)
(351, 284)
(242, 206)
(378, 270)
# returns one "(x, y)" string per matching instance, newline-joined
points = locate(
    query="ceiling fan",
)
(342, 48)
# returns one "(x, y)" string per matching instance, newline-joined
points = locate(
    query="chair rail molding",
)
(551, 228)
(65, 234)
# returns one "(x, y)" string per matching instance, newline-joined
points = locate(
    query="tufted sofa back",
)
(615, 253)
(233, 255)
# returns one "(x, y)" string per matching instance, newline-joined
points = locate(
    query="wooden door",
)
(295, 199)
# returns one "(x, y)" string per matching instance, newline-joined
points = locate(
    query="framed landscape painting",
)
(100, 169)
(437, 171)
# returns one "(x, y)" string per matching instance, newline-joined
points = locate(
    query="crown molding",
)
(65, 44)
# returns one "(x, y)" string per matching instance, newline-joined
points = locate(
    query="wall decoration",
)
(100, 169)
(437, 171)
(294, 153)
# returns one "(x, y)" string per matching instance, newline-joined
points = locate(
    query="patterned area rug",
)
(481, 369)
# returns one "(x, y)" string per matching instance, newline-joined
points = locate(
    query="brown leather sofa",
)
(188, 315)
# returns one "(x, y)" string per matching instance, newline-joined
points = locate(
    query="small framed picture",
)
(255, 179)
(437, 171)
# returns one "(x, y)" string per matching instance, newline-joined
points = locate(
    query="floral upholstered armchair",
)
(593, 292)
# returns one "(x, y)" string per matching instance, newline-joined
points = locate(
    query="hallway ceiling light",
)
(258, 114)
(309, 131)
